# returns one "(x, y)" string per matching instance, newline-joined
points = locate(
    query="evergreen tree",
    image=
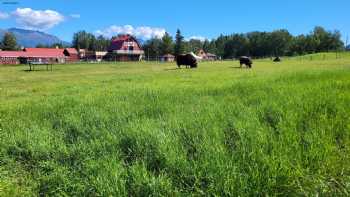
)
(179, 43)
(9, 42)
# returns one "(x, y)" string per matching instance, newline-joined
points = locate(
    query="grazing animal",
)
(246, 61)
(277, 59)
(186, 60)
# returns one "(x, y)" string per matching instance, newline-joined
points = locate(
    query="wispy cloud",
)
(75, 15)
(37, 19)
(4, 15)
(143, 32)
(201, 38)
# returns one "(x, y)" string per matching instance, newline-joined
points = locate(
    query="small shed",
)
(207, 56)
(167, 58)
(95, 55)
(71, 54)
(211, 57)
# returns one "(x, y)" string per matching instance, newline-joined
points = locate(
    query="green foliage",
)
(193, 45)
(9, 42)
(237, 45)
(145, 129)
(85, 40)
(153, 48)
(167, 46)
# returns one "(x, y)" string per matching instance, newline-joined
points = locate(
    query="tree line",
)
(255, 44)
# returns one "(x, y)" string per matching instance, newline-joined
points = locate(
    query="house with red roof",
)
(50, 55)
(11, 57)
(125, 48)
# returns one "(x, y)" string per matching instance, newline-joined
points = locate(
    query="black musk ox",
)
(277, 59)
(246, 61)
(186, 60)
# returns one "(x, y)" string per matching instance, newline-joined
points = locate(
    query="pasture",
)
(149, 129)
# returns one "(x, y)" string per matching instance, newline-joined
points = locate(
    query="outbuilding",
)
(206, 56)
(167, 58)
(71, 54)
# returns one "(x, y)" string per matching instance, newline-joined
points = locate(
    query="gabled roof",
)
(117, 43)
(72, 51)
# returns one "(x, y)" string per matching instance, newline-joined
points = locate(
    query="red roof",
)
(38, 53)
(12, 54)
(44, 52)
(117, 43)
(72, 51)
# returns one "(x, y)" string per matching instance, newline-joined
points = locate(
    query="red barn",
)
(125, 48)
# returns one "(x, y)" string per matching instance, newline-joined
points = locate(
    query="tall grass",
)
(151, 130)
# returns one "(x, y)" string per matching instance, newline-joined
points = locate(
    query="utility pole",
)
(148, 54)
(346, 42)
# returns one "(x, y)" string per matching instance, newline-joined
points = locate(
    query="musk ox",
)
(246, 61)
(277, 59)
(186, 60)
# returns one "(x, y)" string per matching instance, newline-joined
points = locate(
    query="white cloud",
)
(75, 15)
(201, 38)
(143, 32)
(4, 15)
(37, 19)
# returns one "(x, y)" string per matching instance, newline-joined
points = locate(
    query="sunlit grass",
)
(143, 129)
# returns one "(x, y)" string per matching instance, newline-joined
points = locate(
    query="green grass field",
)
(149, 129)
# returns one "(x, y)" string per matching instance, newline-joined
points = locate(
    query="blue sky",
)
(195, 18)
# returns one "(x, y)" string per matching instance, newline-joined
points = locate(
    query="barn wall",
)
(9, 60)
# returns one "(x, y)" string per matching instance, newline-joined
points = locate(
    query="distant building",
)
(71, 54)
(10, 57)
(125, 48)
(207, 56)
(82, 53)
(167, 58)
(45, 55)
(95, 55)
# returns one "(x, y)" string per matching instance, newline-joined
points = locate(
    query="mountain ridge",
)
(32, 38)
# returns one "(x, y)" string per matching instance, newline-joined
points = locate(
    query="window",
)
(129, 44)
